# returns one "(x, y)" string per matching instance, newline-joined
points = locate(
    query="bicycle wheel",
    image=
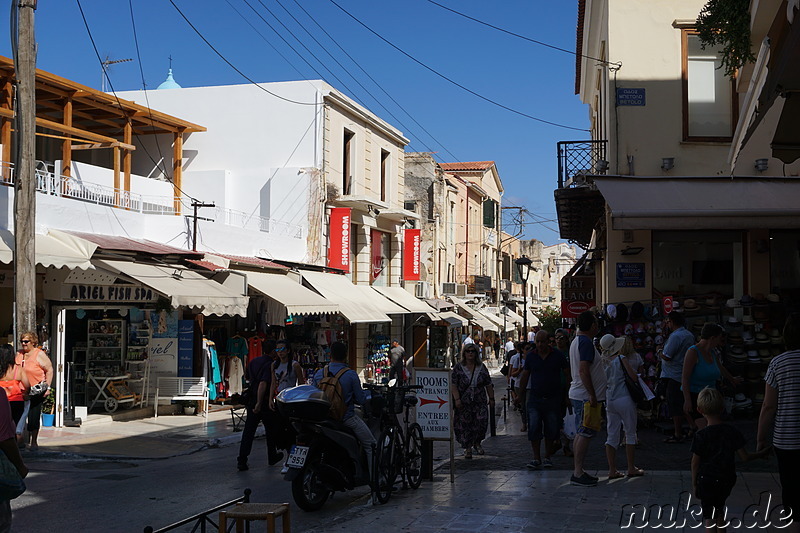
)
(413, 456)
(388, 461)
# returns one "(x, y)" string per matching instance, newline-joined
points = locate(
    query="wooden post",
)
(5, 127)
(66, 146)
(117, 184)
(25, 177)
(127, 135)
(177, 169)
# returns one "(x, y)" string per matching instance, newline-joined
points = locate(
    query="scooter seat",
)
(335, 424)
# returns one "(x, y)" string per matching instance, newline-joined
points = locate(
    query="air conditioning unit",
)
(422, 289)
(461, 289)
(448, 288)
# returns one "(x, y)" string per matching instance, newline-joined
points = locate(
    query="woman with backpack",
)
(286, 373)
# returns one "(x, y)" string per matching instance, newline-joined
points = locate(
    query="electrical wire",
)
(434, 71)
(362, 69)
(603, 61)
(242, 74)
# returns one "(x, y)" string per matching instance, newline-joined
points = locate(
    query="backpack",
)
(333, 392)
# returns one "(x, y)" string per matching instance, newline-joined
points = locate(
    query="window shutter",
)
(488, 213)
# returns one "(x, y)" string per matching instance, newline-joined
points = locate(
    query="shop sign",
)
(434, 407)
(412, 266)
(108, 293)
(185, 347)
(378, 256)
(339, 244)
(630, 275)
(163, 357)
(577, 295)
(667, 303)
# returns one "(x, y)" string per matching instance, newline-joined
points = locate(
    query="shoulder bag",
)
(11, 483)
(633, 386)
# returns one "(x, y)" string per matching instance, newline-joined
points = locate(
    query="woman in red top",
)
(14, 381)
(38, 368)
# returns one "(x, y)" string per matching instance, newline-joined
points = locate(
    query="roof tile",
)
(469, 165)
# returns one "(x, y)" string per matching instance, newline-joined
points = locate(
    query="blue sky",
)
(518, 74)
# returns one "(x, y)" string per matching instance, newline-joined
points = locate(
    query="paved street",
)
(123, 476)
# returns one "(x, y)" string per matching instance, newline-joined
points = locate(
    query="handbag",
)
(633, 386)
(592, 416)
(11, 483)
(504, 369)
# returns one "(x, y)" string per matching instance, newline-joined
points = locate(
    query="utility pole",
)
(195, 206)
(24, 176)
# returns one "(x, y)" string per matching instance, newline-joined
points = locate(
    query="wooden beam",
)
(127, 137)
(116, 171)
(8, 113)
(177, 169)
(100, 146)
(66, 144)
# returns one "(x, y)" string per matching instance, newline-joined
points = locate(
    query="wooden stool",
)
(247, 512)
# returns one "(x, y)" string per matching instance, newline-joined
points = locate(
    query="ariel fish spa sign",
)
(108, 293)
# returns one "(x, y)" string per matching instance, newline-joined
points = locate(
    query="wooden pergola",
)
(88, 119)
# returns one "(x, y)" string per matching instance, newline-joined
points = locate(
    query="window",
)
(709, 105)
(384, 173)
(489, 211)
(347, 162)
(410, 206)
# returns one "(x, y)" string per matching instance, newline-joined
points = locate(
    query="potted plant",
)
(49, 409)
(189, 406)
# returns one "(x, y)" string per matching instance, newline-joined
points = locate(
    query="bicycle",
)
(397, 455)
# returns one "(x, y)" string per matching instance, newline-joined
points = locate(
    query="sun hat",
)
(611, 344)
(689, 304)
(611, 311)
(733, 303)
(746, 300)
(748, 321)
(774, 298)
(761, 338)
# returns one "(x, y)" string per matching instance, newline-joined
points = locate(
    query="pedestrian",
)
(780, 416)
(562, 344)
(620, 358)
(39, 369)
(588, 387)
(259, 376)
(515, 369)
(714, 451)
(397, 357)
(544, 368)
(15, 382)
(531, 337)
(702, 368)
(286, 373)
(509, 347)
(8, 445)
(672, 357)
(471, 387)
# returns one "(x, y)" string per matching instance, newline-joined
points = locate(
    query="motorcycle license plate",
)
(297, 457)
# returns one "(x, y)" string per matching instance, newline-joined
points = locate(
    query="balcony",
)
(579, 204)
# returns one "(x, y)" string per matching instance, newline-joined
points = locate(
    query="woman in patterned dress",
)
(471, 385)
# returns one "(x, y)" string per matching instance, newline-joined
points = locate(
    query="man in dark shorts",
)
(679, 341)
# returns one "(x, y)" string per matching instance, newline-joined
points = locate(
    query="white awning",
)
(288, 297)
(701, 203)
(484, 323)
(384, 304)
(454, 319)
(509, 326)
(475, 317)
(405, 299)
(514, 317)
(55, 249)
(354, 304)
(184, 288)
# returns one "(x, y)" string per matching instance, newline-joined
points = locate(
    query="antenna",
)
(104, 73)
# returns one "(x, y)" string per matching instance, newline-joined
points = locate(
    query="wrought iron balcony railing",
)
(579, 158)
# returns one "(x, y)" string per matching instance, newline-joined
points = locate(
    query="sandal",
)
(479, 449)
(674, 439)
(636, 473)
(468, 454)
(615, 475)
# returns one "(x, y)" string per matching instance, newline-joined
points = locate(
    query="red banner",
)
(339, 243)
(573, 308)
(378, 257)
(412, 266)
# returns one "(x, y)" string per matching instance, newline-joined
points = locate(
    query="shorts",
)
(713, 493)
(543, 420)
(674, 398)
(577, 409)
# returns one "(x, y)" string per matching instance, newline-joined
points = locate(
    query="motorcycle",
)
(327, 456)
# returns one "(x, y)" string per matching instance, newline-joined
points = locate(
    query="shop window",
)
(709, 98)
(784, 258)
(384, 175)
(347, 162)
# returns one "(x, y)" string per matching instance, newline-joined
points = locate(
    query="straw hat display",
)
(762, 338)
(689, 304)
(748, 321)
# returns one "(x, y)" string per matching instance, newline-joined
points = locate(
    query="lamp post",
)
(504, 301)
(524, 270)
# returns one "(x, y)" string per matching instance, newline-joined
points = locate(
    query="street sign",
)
(434, 411)
(631, 97)
(667, 303)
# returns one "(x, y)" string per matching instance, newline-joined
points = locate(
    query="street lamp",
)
(504, 300)
(524, 270)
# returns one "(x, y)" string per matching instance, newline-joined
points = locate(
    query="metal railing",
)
(580, 158)
(202, 519)
(50, 183)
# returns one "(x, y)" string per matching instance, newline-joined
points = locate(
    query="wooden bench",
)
(182, 388)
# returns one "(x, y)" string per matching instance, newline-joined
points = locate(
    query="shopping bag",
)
(592, 418)
(569, 426)
(11, 483)
(648, 394)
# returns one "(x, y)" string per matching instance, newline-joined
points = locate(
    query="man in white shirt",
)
(509, 346)
(515, 369)
(531, 336)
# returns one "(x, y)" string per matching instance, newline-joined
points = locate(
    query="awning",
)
(484, 323)
(56, 249)
(498, 320)
(454, 319)
(354, 304)
(184, 288)
(514, 317)
(475, 317)
(405, 299)
(382, 303)
(701, 203)
(288, 297)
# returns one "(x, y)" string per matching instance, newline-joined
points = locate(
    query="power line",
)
(356, 63)
(431, 69)
(617, 64)
(242, 74)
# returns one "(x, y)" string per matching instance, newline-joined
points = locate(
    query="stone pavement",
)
(491, 492)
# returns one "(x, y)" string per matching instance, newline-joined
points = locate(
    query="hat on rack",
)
(748, 320)
(676, 306)
(773, 298)
(733, 303)
(611, 311)
(762, 338)
(733, 321)
(748, 338)
(611, 345)
(775, 337)
(689, 304)
(746, 300)
(736, 350)
(712, 303)
(628, 329)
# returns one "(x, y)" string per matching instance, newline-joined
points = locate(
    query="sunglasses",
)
(280, 348)
(470, 351)
(25, 341)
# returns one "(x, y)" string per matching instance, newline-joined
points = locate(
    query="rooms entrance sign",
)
(434, 406)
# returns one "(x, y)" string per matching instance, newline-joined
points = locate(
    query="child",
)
(713, 458)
